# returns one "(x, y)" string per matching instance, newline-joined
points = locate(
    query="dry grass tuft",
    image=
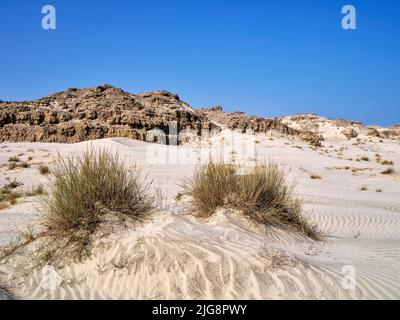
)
(263, 195)
(84, 191)
(387, 163)
(9, 197)
(388, 171)
(14, 159)
(44, 169)
(12, 166)
(315, 177)
(24, 165)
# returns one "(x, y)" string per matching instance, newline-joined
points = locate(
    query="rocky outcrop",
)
(85, 114)
(105, 111)
(243, 122)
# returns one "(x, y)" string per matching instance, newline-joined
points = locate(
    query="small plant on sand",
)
(364, 158)
(364, 188)
(387, 163)
(9, 197)
(35, 191)
(378, 190)
(315, 177)
(14, 159)
(85, 191)
(44, 169)
(388, 171)
(263, 195)
(12, 166)
(24, 165)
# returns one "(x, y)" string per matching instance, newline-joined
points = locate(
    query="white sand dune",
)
(176, 256)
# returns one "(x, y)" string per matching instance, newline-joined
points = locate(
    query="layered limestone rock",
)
(243, 122)
(159, 116)
(77, 115)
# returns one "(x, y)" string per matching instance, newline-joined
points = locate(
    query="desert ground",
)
(175, 255)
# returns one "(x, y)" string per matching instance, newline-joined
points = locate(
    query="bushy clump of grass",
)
(14, 159)
(364, 158)
(24, 164)
(388, 171)
(263, 195)
(9, 197)
(44, 169)
(387, 163)
(35, 191)
(84, 190)
(12, 166)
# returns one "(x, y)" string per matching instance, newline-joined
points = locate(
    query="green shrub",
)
(263, 195)
(87, 188)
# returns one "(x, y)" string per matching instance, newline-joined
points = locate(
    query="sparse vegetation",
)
(12, 166)
(315, 177)
(24, 165)
(388, 171)
(85, 190)
(378, 190)
(387, 163)
(14, 159)
(44, 169)
(364, 188)
(9, 197)
(35, 191)
(263, 195)
(364, 158)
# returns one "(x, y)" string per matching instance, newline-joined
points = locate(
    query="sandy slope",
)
(175, 256)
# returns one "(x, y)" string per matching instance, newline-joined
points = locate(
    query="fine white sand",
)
(176, 256)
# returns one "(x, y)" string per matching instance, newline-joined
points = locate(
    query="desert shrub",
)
(12, 166)
(9, 196)
(388, 171)
(84, 190)
(44, 169)
(315, 177)
(14, 159)
(13, 184)
(364, 188)
(378, 190)
(263, 195)
(364, 158)
(35, 191)
(387, 163)
(24, 165)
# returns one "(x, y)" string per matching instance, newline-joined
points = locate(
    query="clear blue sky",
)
(270, 57)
